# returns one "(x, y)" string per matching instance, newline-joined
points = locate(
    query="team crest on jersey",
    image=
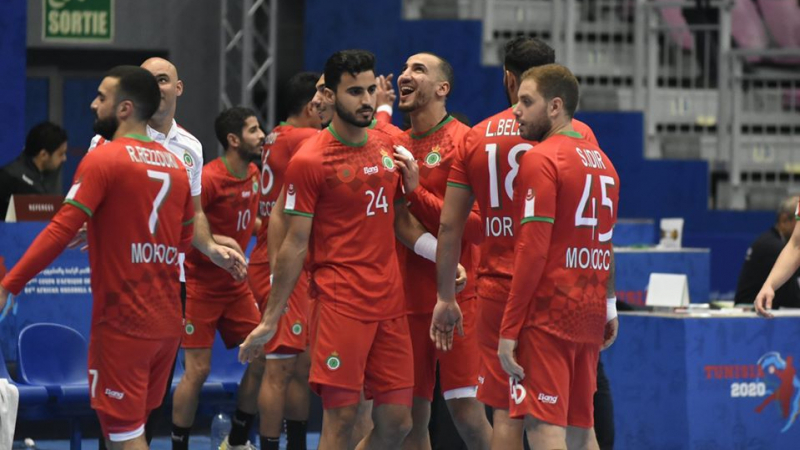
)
(189, 328)
(297, 328)
(255, 184)
(434, 158)
(333, 362)
(271, 138)
(388, 162)
(530, 203)
(188, 161)
(346, 173)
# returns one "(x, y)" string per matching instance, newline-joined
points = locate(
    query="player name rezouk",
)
(149, 252)
(152, 157)
(585, 258)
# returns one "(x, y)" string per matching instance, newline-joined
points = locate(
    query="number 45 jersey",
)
(230, 202)
(349, 190)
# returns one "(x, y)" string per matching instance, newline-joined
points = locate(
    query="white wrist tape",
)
(426, 247)
(387, 108)
(611, 309)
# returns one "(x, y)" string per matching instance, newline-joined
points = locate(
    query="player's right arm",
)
(277, 228)
(787, 264)
(82, 199)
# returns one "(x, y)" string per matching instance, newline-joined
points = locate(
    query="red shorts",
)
(292, 336)
(127, 379)
(492, 379)
(458, 368)
(560, 380)
(235, 317)
(350, 354)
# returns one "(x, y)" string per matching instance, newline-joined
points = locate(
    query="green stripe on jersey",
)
(188, 222)
(537, 219)
(79, 206)
(574, 134)
(459, 185)
(292, 212)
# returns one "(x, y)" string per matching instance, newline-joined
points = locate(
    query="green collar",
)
(447, 119)
(227, 166)
(283, 123)
(573, 134)
(349, 144)
(138, 137)
(373, 124)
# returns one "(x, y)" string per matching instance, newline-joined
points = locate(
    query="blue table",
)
(683, 382)
(634, 266)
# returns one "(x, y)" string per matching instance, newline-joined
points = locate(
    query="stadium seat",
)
(748, 29)
(782, 18)
(679, 28)
(226, 369)
(55, 357)
(29, 396)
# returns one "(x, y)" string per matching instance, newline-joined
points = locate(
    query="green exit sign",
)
(78, 20)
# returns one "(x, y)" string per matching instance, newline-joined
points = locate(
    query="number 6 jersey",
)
(349, 189)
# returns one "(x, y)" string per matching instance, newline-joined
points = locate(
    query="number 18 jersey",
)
(487, 164)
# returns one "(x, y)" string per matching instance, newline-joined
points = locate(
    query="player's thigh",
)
(390, 366)
(160, 371)
(459, 367)
(492, 379)
(340, 347)
(544, 393)
(584, 385)
(292, 336)
(240, 317)
(424, 354)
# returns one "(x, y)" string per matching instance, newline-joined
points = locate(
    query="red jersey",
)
(349, 189)
(137, 196)
(565, 202)
(487, 164)
(386, 127)
(281, 145)
(434, 150)
(230, 203)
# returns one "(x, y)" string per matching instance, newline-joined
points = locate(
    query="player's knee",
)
(196, 372)
(395, 424)
(466, 412)
(255, 369)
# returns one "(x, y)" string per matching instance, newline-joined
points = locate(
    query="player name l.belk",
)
(149, 252)
(152, 157)
(505, 127)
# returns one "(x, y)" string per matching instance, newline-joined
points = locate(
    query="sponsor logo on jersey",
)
(188, 161)
(370, 170)
(388, 162)
(115, 394)
(434, 158)
(549, 399)
(333, 362)
(290, 197)
(189, 328)
(297, 328)
(530, 203)
(518, 391)
(346, 173)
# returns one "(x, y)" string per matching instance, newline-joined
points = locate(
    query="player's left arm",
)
(535, 205)
(222, 255)
(428, 208)
(612, 319)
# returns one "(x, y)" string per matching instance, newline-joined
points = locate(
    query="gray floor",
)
(195, 443)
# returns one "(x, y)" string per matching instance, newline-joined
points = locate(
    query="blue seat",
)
(225, 367)
(54, 356)
(29, 396)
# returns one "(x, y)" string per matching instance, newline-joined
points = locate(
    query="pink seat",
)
(782, 18)
(679, 28)
(748, 29)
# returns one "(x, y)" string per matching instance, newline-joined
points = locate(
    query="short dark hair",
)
(299, 90)
(45, 136)
(347, 61)
(523, 53)
(555, 80)
(140, 87)
(446, 69)
(231, 120)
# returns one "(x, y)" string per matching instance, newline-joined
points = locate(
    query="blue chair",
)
(55, 356)
(31, 398)
(225, 367)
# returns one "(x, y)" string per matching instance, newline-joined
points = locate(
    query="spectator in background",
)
(761, 256)
(45, 151)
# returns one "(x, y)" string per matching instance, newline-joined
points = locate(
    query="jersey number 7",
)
(165, 180)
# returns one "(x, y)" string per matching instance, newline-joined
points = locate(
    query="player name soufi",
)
(505, 127)
(152, 157)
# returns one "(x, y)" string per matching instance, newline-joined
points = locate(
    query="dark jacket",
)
(761, 256)
(23, 177)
